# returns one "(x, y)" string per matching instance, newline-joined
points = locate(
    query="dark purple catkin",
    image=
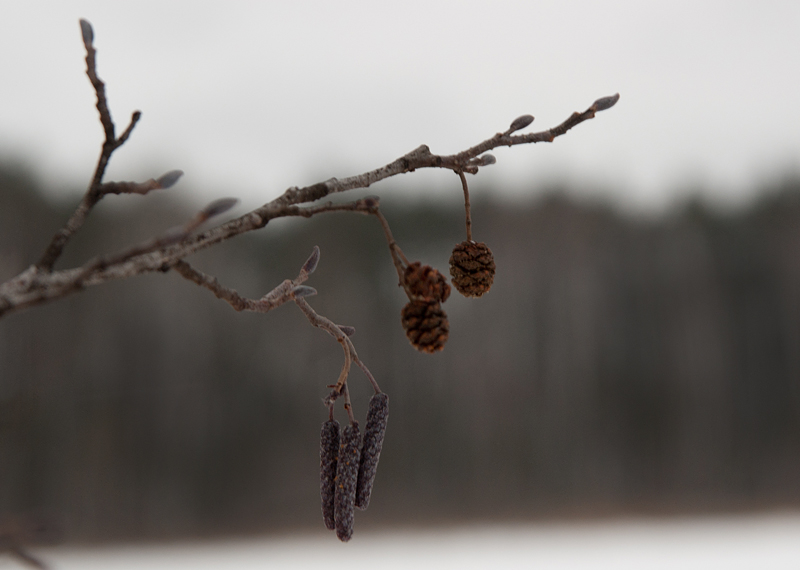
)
(346, 478)
(377, 416)
(328, 452)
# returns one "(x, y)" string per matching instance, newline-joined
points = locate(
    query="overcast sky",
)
(249, 98)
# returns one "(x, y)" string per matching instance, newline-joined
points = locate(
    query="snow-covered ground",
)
(764, 542)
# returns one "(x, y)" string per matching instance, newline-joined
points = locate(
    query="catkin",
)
(328, 452)
(346, 477)
(377, 416)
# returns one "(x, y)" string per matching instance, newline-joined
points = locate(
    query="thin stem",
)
(398, 258)
(363, 367)
(348, 406)
(466, 203)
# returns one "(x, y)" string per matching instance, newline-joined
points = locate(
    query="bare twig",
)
(40, 283)
(289, 290)
(111, 143)
(467, 209)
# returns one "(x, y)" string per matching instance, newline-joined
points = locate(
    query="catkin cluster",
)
(348, 466)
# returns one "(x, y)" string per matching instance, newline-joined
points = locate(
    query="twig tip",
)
(519, 123)
(216, 207)
(87, 32)
(169, 179)
(605, 102)
(311, 263)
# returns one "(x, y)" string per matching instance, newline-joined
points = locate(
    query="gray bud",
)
(87, 32)
(169, 179)
(605, 102)
(303, 291)
(520, 123)
(218, 207)
(311, 263)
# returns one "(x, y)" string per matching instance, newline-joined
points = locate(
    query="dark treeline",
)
(617, 365)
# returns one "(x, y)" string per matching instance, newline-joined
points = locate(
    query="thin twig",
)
(348, 407)
(467, 208)
(93, 195)
(40, 283)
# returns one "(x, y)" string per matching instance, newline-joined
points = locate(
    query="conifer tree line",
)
(616, 363)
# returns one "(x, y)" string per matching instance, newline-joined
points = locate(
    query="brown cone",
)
(472, 268)
(426, 325)
(426, 283)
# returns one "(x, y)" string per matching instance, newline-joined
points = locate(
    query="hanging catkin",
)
(328, 453)
(377, 416)
(346, 478)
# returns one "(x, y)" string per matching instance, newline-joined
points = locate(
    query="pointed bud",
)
(605, 102)
(311, 263)
(87, 33)
(349, 331)
(218, 207)
(520, 123)
(169, 179)
(303, 291)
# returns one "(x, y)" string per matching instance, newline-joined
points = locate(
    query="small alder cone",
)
(426, 282)
(346, 479)
(426, 325)
(374, 432)
(328, 453)
(472, 268)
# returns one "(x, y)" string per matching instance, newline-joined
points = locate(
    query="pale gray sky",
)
(252, 97)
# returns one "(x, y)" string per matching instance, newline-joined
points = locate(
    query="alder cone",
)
(472, 268)
(426, 325)
(425, 282)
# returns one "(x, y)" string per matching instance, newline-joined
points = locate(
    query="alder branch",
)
(289, 290)
(422, 318)
(40, 283)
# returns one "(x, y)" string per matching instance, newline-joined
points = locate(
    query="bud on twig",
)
(348, 330)
(346, 479)
(218, 207)
(519, 123)
(311, 263)
(374, 432)
(87, 33)
(605, 102)
(303, 291)
(328, 452)
(169, 179)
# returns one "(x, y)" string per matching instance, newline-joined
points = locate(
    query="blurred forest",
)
(617, 365)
